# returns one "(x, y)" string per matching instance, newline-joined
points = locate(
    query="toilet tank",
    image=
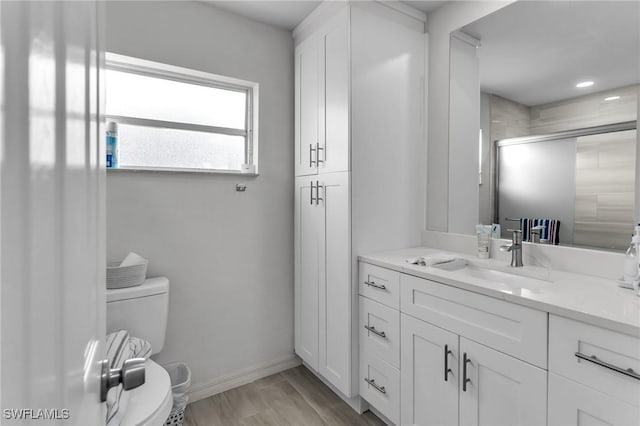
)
(141, 310)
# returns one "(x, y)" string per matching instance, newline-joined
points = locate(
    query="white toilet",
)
(142, 311)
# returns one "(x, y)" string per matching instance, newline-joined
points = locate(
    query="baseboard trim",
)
(242, 377)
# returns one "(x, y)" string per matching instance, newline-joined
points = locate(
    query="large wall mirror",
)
(544, 96)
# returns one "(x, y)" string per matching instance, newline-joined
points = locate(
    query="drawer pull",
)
(465, 380)
(628, 372)
(376, 332)
(447, 370)
(374, 285)
(372, 382)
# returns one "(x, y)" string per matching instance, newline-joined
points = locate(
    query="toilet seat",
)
(150, 404)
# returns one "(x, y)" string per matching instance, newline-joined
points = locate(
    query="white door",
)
(499, 389)
(52, 213)
(333, 155)
(308, 57)
(309, 239)
(574, 404)
(429, 376)
(335, 281)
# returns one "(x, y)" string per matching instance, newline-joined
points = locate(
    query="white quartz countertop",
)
(589, 299)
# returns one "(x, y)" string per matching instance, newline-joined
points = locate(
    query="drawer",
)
(573, 404)
(380, 386)
(380, 331)
(569, 338)
(379, 284)
(509, 328)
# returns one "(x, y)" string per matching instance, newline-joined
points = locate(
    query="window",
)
(172, 118)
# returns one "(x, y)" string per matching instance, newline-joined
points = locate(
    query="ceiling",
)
(536, 52)
(289, 13)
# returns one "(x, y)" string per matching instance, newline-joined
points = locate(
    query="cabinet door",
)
(429, 394)
(333, 155)
(309, 248)
(501, 390)
(573, 404)
(308, 75)
(335, 282)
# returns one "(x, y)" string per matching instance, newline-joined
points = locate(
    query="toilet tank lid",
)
(150, 287)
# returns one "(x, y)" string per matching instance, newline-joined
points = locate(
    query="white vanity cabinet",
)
(448, 378)
(355, 115)
(471, 359)
(594, 375)
(465, 358)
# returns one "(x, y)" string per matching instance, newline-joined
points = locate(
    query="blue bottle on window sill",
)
(112, 145)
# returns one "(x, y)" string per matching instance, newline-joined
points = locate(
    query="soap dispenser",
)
(631, 259)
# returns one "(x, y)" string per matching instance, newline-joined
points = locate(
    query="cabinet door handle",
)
(447, 370)
(318, 149)
(376, 332)
(628, 372)
(374, 285)
(318, 199)
(373, 383)
(311, 192)
(311, 151)
(465, 380)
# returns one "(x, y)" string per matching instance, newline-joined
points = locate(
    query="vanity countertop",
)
(585, 298)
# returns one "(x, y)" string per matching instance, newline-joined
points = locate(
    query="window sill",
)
(179, 170)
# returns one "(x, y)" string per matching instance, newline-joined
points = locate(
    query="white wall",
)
(229, 255)
(449, 17)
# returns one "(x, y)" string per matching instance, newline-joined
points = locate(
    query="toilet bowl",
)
(150, 404)
(142, 311)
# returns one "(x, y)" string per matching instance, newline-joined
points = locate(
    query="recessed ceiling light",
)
(584, 84)
(612, 98)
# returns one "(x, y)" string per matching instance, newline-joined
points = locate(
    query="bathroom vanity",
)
(480, 344)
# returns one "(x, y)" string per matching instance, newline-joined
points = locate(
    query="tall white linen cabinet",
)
(360, 159)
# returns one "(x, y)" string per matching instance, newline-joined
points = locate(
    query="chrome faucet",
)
(515, 248)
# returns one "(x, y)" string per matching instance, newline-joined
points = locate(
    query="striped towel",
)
(551, 231)
(121, 347)
(118, 351)
(140, 348)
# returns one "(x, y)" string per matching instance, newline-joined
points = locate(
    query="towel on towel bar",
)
(551, 231)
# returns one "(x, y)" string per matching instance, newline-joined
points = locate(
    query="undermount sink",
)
(506, 281)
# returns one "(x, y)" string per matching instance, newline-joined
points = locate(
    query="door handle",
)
(311, 160)
(311, 192)
(447, 370)
(131, 375)
(318, 199)
(465, 380)
(318, 149)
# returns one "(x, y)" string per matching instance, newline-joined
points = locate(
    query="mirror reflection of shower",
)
(577, 102)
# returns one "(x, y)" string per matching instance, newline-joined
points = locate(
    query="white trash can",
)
(180, 376)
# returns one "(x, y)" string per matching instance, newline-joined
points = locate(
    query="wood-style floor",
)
(293, 397)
